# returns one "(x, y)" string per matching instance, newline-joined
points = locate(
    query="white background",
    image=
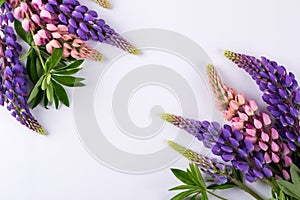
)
(58, 167)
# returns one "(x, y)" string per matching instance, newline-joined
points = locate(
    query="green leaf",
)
(31, 67)
(39, 68)
(182, 176)
(27, 54)
(204, 196)
(289, 188)
(1, 2)
(183, 195)
(44, 83)
(69, 80)
(37, 99)
(46, 102)
(281, 195)
(196, 173)
(238, 175)
(186, 187)
(67, 71)
(21, 32)
(221, 187)
(295, 174)
(61, 93)
(35, 89)
(49, 92)
(54, 59)
(56, 101)
(73, 65)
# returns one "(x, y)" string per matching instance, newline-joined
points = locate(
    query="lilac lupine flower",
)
(280, 91)
(221, 173)
(256, 126)
(13, 87)
(46, 31)
(229, 144)
(86, 24)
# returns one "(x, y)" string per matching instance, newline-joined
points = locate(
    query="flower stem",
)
(274, 187)
(219, 197)
(247, 189)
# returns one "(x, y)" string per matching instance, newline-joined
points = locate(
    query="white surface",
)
(58, 167)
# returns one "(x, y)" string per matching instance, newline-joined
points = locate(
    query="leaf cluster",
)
(194, 186)
(49, 73)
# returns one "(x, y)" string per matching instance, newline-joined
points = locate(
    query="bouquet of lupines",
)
(56, 31)
(255, 145)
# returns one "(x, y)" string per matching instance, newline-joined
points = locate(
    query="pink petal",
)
(263, 146)
(275, 158)
(257, 124)
(74, 53)
(18, 13)
(266, 119)
(285, 174)
(274, 146)
(233, 105)
(51, 27)
(26, 25)
(37, 40)
(56, 35)
(43, 34)
(62, 28)
(248, 110)
(274, 134)
(49, 48)
(24, 7)
(35, 18)
(55, 44)
(243, 116)
(237, 125)
(253, 105)
(267, 158)
(45, 14)
(251, 131)
(265, 137)
(285, 149)
(240, 99)
(66, 53)
(287, 161)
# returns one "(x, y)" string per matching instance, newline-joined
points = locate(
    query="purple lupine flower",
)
(86, 24)
(220, 172)
(13, 88)
(280, 91)
(260, 134)
(227, 143)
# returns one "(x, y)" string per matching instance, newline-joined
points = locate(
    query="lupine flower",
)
(280, 91)
(85, 23)
(50, 34)
(220, 172)
(13, 87)
(227, 143)
(256, 126)
(103, 3)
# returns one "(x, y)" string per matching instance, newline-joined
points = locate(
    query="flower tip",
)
(165, 116)
(135, 51)
(41, 131)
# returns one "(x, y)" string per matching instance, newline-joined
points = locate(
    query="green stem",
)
(247, 189)
(216, 195)
(274, 187)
